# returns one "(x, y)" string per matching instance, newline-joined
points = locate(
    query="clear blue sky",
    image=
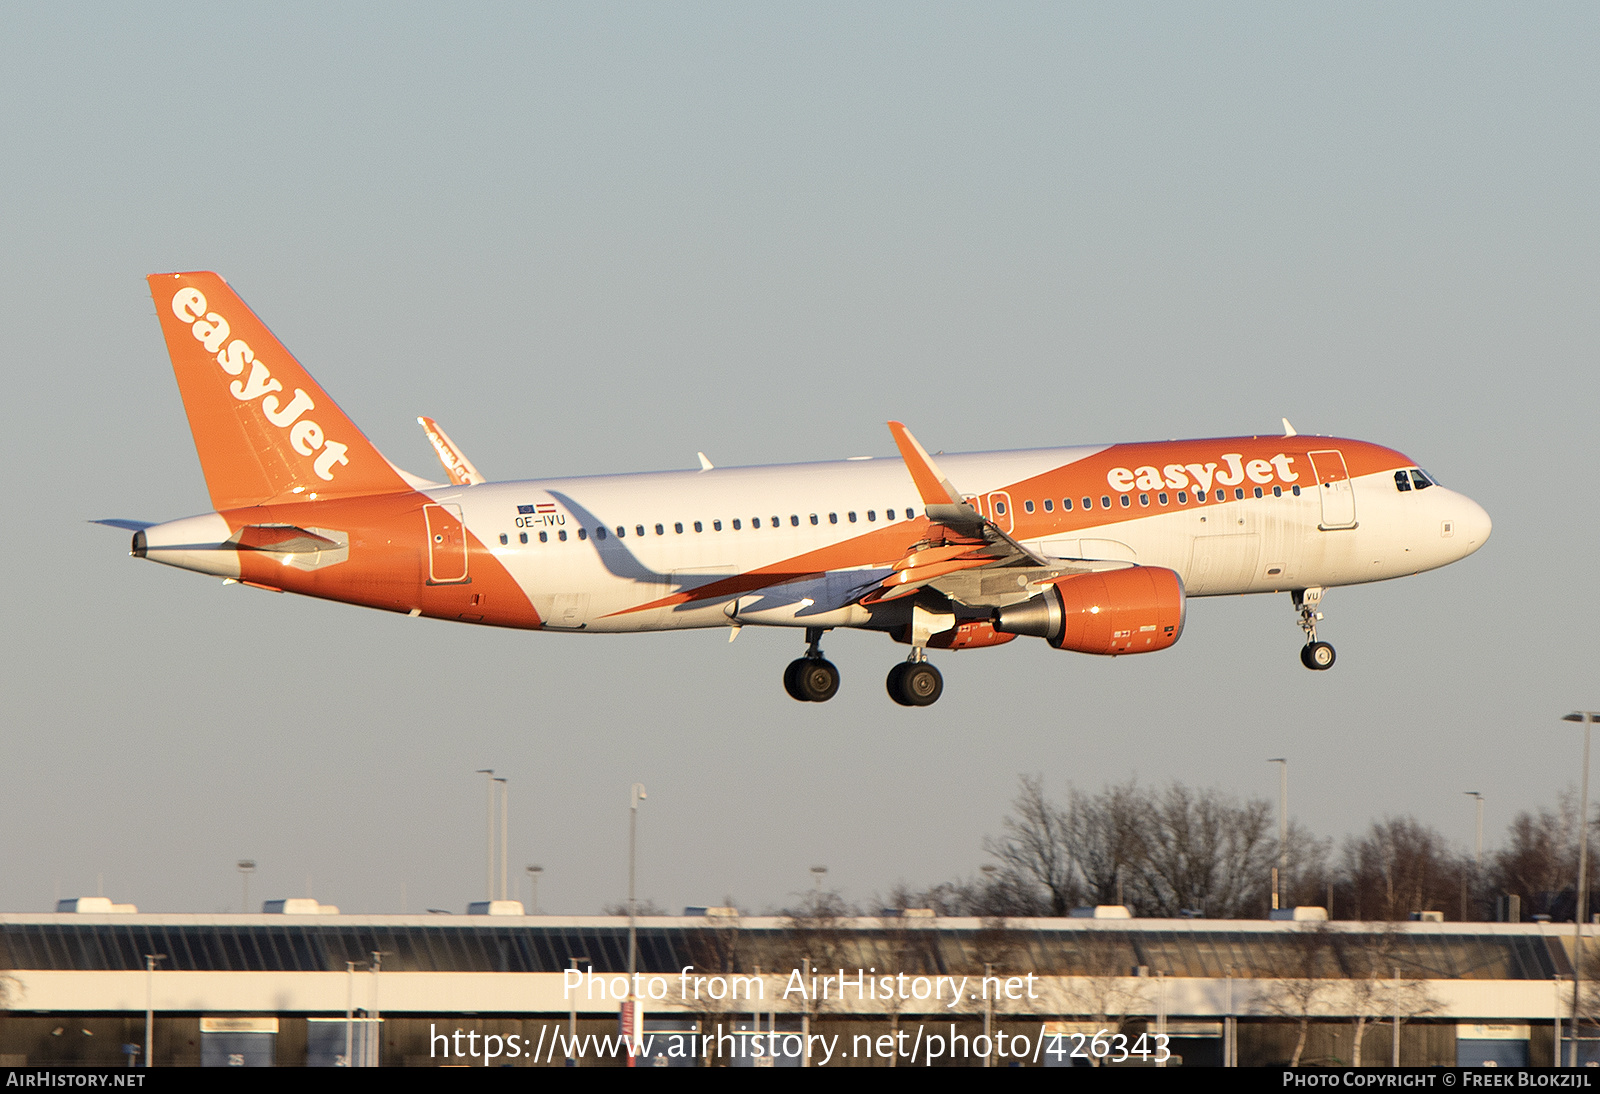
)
(598, 238)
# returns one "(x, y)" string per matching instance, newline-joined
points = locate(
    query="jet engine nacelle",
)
(1136, 610)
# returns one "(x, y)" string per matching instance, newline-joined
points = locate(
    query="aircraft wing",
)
(966, 556)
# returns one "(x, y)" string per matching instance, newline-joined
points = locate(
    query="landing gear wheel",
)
(811, 680)
(791, 679)
(915, 684)
(1317, 655)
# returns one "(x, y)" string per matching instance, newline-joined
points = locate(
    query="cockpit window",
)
(1419, 480)
(1402, 481)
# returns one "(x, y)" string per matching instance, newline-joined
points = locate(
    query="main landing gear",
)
(1314, 655)
(812, 678)
(915, 683)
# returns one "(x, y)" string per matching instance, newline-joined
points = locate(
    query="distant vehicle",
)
(1095, 549)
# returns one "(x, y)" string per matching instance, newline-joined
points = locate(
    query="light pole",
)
(572, 1028)
(1283, 830)
(488, 862)
(246, 868)
(1478, 846)
(533, 876)
(636, 795)
(150, 960)
(819, 872)
(1581, 909)
(505, 794)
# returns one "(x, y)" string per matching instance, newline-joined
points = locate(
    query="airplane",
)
(1095, 549)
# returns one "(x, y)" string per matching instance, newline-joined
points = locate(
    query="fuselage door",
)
(1333, 487)
(998, 505)
(447, 544)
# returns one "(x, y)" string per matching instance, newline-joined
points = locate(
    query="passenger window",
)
(1144, 499)
(1162, 498)
(1000, 507)
(852, 516)
(1277, 491)
(872, 515)
(716, 526)
(1049, 505)
(735, 524)
(1183, 497)
(1296, 490)
(1066, 505)
(660, 531)
(697, 527)
(794, 520)
(891, 514)
(544, 537)
(1027, 506)
(911, 514)
(1238, 493)
(1105, 501)
(523, 536)
(1402, 482)
(833, 518)
(1222, 495)
(813, 518)
(776, 523)
(638, 530)
(504, 539)
(1258, 491)
(1125, 501)
(622, 533)
(599, 533)
(562, 535)
(677, 526)
(583, 533)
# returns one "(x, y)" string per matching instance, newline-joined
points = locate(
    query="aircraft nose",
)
(1472, 524)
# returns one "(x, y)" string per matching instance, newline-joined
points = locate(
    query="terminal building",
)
(306, 986)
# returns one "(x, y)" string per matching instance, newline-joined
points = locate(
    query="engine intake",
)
(1135, 610)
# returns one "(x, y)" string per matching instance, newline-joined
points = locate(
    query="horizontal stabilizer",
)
(126, 525)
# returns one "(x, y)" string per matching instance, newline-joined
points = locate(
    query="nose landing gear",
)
(1314, 655)
(812, 678)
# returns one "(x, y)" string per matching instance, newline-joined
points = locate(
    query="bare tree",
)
(1376, 987)
(1108, 839)
(1202, 850)
(1402, 866)
(1540, 858)
(1311, 979)
(1036, 852)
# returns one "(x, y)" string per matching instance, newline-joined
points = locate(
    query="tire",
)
(922, 684)
(817, 680)
(791, 680)
(896, 691)
(1318, 656)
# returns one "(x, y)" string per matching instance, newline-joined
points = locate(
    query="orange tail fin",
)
(265, 431)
